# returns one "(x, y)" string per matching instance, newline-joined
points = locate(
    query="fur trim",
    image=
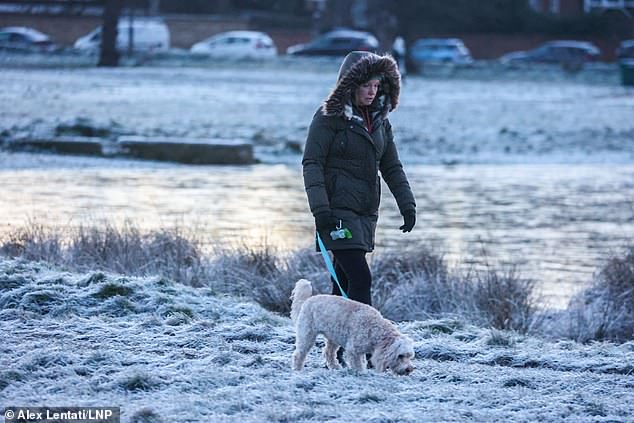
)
(340, 99)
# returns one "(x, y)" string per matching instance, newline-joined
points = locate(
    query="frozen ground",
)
(535, 165)
(165, 353)
(482, 117)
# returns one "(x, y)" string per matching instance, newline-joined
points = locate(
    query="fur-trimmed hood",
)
(357, 68)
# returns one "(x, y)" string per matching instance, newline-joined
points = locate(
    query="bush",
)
(123, 249)
(411, 285)
(417, 285)
(605, 311)
(426, 17)
(264, 274)
(33, 242)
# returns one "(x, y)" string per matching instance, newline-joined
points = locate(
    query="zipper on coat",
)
(367, 119)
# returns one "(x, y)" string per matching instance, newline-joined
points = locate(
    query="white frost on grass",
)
(169, 352)
(483, 118)
(36, 160)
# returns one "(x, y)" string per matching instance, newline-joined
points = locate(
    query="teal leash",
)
(329, 265)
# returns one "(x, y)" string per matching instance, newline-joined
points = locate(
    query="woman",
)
(349, 141)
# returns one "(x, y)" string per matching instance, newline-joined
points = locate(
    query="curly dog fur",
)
(359, 328)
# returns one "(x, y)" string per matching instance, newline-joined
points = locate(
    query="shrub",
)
(33, 242)
(417, 285)
(412, 285)
(605, 311)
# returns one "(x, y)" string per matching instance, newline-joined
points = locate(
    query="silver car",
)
(440, 50)
(21, 38)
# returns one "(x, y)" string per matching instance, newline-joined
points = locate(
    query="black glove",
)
(409, 220)
(325, 221)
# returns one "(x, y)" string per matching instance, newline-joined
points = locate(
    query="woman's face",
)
(366, 92)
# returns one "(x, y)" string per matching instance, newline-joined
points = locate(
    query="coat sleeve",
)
(320, 136)
(394, 175)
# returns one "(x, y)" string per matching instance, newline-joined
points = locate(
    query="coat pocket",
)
(349, 194)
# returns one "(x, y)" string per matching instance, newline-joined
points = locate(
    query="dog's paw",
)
(333, 366)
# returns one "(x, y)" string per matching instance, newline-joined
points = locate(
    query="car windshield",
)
(96, 35)
(331, 39)
(18, 38)
(341, 41)
(238, 40)
(321, 42)
(437, 47)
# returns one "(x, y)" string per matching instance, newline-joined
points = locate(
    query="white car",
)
(237, 45)
(147, 36)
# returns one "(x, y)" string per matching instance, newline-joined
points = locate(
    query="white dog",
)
(359, 328)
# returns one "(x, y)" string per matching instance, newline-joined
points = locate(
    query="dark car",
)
(336, 43)
(569, 54)
(625, 50)
(20, 38)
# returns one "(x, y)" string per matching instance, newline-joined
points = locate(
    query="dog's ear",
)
(406, 346)
(381, 354)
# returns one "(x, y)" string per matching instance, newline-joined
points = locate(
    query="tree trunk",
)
(109, 56)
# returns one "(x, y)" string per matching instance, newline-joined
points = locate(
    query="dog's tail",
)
(303, 291)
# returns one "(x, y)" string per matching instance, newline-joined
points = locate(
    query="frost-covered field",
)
(540, 173)
(165, 352)
(541, 161)
(487, 116)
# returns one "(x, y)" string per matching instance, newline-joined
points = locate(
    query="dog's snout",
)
(409, 370)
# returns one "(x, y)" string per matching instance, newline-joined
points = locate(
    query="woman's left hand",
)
(409, 220)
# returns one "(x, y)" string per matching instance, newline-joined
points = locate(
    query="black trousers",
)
(354, 275)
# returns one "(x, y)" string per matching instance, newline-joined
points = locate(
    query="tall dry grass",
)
(170, 252)
(605, 311)
(414, 284)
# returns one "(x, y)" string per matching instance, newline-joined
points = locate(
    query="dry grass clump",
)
(34, 242)
(411, 285)
(605, 311)
(262, 273)
(414, 284)
(417, 285)
(121, 249)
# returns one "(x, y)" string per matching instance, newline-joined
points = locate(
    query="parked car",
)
(21, 38)
(237, 45)
(625, 50)
(147, 36)
(336, 43)
(439, 50)
(572, 54)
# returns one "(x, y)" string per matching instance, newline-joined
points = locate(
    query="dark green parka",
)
(342, 159)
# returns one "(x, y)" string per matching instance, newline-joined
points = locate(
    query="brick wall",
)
(186, 30)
